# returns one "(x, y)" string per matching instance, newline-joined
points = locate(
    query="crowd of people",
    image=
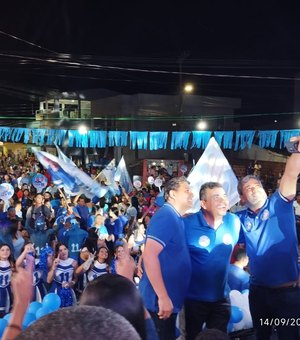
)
(72, 239)
(175, 259)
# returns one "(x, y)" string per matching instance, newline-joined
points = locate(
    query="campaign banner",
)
(39, 181)
(6, 191)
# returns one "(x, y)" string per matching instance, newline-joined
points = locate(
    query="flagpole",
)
(62, 194)
(97, 175)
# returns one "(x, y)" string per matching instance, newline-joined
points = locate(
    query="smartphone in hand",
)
(30, 262)
(292, 147)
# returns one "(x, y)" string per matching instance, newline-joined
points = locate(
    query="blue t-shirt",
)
(271, 242)
(74, 239)
(238, 279)
(40, 238)
(84, 213)
(116, 227)
(210, 251)
(102, 232)
(166, 227)
(91, 221)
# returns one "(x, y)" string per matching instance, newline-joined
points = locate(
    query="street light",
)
(202, 125)
(82, 129)
(188, 88)
(185, 91)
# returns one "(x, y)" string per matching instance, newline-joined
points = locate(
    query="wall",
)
(240, 166)
(16, 148)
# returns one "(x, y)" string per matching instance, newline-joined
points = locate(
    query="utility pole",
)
(184, 55)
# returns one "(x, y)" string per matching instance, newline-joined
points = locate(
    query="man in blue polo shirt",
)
(211, 236)
(238, 278)
(271, 243)
(166, 259)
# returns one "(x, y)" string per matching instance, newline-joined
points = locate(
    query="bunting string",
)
(154, 140)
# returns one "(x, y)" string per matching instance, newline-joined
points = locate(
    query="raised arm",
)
(288, 183)
(75, 200)
(22, 291)
(20, 260)
(86, 265)
(51, 272)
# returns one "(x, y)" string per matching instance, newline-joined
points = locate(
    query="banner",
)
(6, 191)
(39, 181)
(68, 176)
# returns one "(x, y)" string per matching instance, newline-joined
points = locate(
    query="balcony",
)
(56, 115)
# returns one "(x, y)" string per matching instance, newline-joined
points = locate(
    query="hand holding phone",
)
(292, 147)
(30, 262)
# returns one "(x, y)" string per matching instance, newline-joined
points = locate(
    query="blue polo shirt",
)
(271, 242)
(238, 279)
(210, 250)
(166, 227)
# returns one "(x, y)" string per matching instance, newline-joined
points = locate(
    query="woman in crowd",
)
(136, 240)
(39, 289)
(95, 267)
(99, 226)
(62, 275)
(6, 268)
(123, 263)
(151, 208)
(14, 238)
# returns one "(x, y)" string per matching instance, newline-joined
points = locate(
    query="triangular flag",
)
(122, 176)
(213, 167)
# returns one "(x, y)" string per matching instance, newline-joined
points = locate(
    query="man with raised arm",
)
(271, 243)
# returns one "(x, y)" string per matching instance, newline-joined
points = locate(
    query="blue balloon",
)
(7, 317)
(229, 327)
(236, 314)
(52, 301)
(42, 311)
(28, 318)
(34, 306)
(3, 324)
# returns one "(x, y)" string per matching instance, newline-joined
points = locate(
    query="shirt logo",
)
(248, 225)
(227, 239)
(204, 241)
(265, 215)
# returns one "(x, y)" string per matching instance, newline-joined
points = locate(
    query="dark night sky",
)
(254, 38)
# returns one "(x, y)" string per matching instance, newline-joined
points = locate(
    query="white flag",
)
(122, 176)
(213, 167)
(68, 176)
(63, 157)
(108, 172)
